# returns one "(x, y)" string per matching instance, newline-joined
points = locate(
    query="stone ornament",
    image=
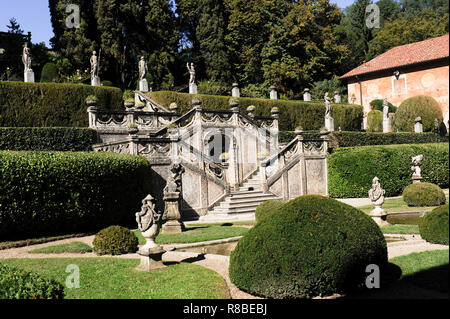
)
(26, 58)
(192, 85)
(418, 126)
(172, 196)
(387, 125)
(329, 121)
(94, 60)
(417, 172)
(376, 195)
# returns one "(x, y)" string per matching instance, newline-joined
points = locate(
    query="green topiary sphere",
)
(434, 226)
(423, 194)
(49, 72)
(313, 246)
(375, 121)
(115, 240)
(418, 106)
(267, 208)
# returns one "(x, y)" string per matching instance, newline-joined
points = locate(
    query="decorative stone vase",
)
(128, 104)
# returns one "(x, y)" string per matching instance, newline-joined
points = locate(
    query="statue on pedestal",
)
(329, 121)
(26, 58)
(95, 80)
(172, 195)
(376, 195)
(417, 172)
(192, 85)
(142, 65)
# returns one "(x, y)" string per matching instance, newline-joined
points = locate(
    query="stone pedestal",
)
(143, 85)
(418, 127)
(235, 92)
(192, 88)
(379, 215)
(387, 125)
(151, 259)
(329, 124)
(307, 96)
(95, 81)
(273, 93)
(416, 179)
(172, 216)
(28, 76)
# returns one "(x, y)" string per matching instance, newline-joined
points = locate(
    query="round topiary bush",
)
(375, 121)
(267, 208)
(423, 194)
(434, 226)
(313, 246)
(115, 240)
(418, 106)
(49, 72)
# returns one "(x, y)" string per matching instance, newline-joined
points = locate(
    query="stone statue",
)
(387, 125)
(385, 109)
(26, 58)
(142, 68)
(174, 179)
(149, 222)
(94, 65)
(417, 172)
(172, 196)
(327, 105)
(376, 195)
(191, 70)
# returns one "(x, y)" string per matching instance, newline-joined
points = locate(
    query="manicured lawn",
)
(429, 269)
(400, 229)
(116, 278)
(41, 240)
(397, 205)
(196, 234)
(74, 247)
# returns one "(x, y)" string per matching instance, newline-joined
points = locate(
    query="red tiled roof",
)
(428, 50)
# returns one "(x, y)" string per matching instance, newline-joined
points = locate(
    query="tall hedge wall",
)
(47, 139)
(308, 115)
(52, 104)
(351, 169)
(52, 193)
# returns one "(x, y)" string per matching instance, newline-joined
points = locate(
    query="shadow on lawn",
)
(426, 284)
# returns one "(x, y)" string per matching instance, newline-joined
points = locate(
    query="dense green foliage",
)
(115, 240)
(308, 115)
(47, 139)
(20, 284)
(375, 121)
(267, 208)
(51, 193)
(423, 194)
(312, 246)
(346, 139)
(434, 226)
(49, 72)
(421, 106)
(378, 105)
(351, 169)
(52, 104)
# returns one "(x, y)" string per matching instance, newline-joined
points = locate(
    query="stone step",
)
(260, 198)
(227, 211)
(249, 196)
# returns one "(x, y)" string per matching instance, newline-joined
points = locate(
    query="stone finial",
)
(275, 112)
(234, 104)
(273, 93)
(196, 103)
(251, 110)
(173, 107)
(306, 95)
(418, 126)
(235, 92)
(376, 195)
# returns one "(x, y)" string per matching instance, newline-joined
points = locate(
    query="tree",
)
(14, 27)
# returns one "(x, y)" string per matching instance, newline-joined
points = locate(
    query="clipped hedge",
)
(347, 139)
(47, 139)
(351, 169)
(308, 115)
(313, 246)
(423, 194)
(267, 208)
(434, 226)
(377, 104)
(418, 106)
(20, 284)
(375, 121)
(52, 193)
(115, 240)
(52, 104)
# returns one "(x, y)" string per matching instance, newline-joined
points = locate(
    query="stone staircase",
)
(241, 204)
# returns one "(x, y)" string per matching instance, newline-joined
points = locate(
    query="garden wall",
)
(351, 169)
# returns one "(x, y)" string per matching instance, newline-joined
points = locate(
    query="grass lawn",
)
(400, 229)
(429, 269)
(116, 278)
(74, 247)
(196, 234)
(397, 205)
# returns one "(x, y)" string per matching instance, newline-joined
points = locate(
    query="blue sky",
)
(34, 16)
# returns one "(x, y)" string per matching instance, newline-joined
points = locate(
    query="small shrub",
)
(418, 106)
(375, 121)
(267, 208)
(115, 240)
(378, 105)
(423, 194)
(313, 246)
(434, 226)
(20, 284)
(49, 72)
